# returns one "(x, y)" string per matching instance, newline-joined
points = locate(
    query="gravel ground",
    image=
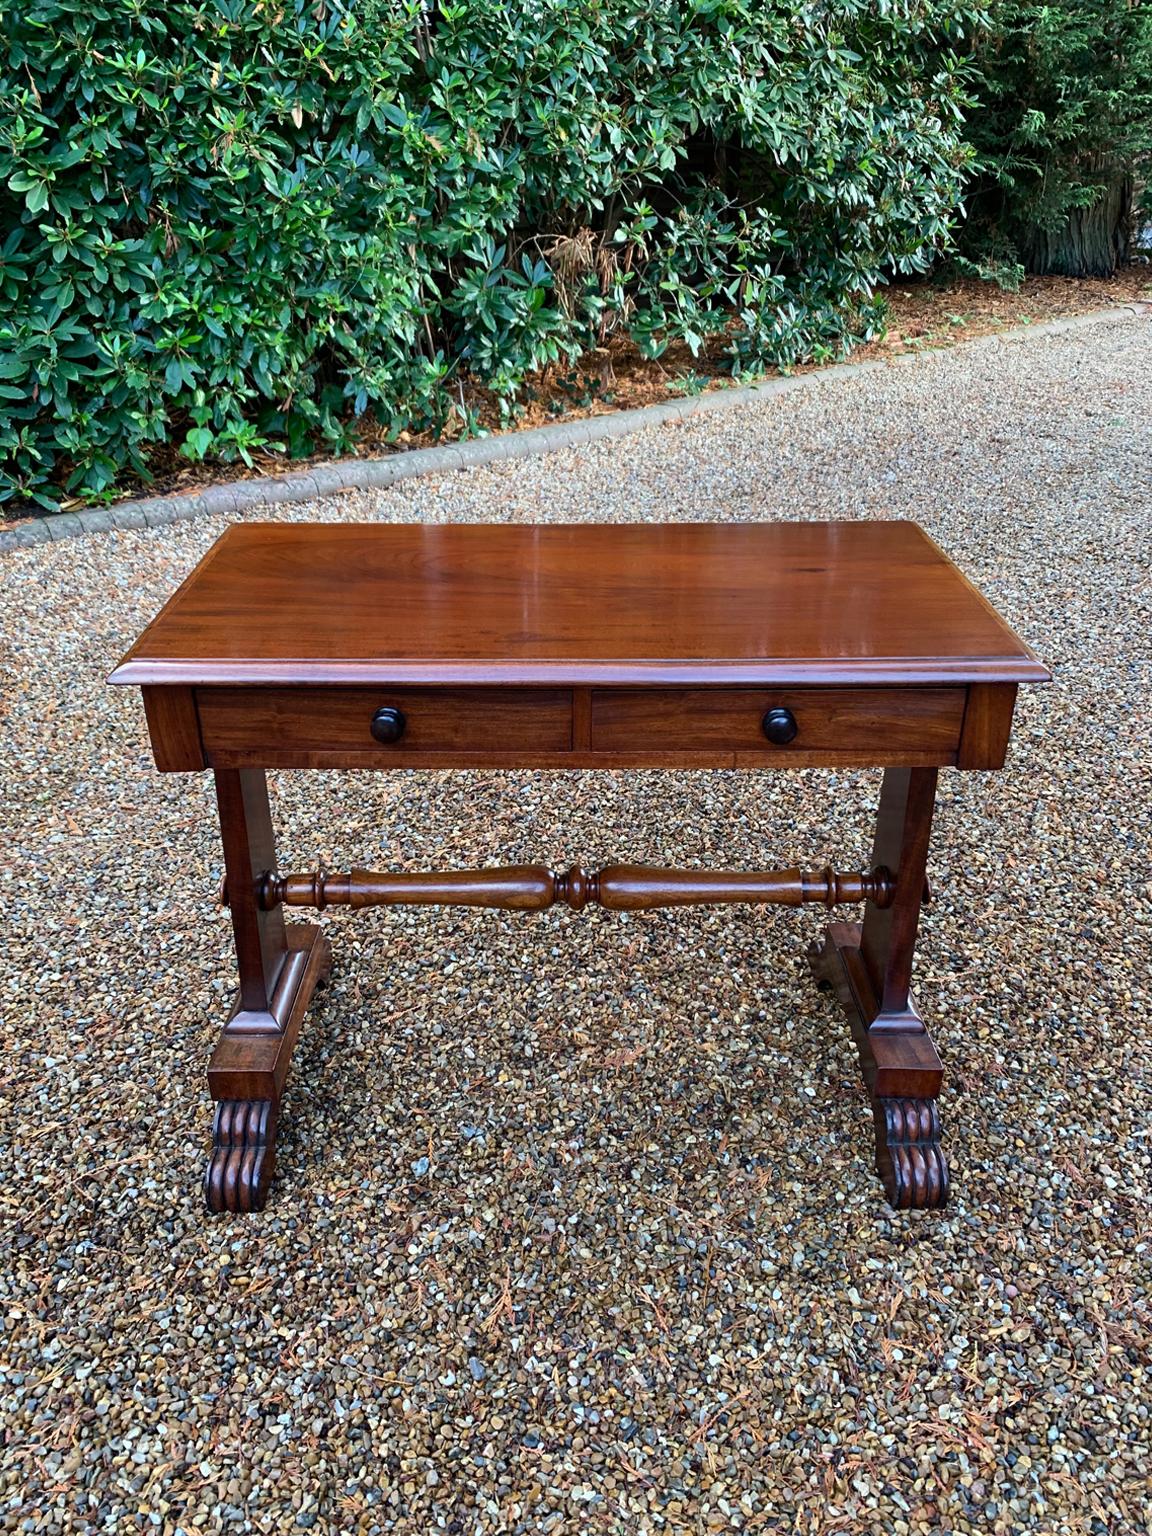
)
(576, 1228)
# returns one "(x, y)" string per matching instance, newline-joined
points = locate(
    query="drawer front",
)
(481, 722)
(876, 723)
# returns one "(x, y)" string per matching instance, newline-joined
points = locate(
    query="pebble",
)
(645, 1280)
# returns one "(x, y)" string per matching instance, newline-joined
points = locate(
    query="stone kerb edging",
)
(364, 474)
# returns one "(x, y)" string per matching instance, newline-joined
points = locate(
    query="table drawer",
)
(876, 723)
(270, 723)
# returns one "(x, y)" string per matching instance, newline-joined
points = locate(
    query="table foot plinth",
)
(247, 1073)
(901, 1071)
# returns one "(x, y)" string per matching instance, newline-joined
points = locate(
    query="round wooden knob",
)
(388, 724)
(779, 725)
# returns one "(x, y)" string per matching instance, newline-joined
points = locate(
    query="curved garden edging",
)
(362, 474)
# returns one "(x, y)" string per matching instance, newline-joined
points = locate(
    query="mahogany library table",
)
(676, 645)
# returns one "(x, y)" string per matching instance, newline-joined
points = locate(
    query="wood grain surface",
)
(764, 603)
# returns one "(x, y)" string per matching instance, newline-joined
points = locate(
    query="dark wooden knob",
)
(388, 724)
(779, 725)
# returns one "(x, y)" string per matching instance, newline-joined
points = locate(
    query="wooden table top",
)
(852, 603)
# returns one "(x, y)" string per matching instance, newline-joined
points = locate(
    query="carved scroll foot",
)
(243, 1157)
(901, 1072)
(909, 1158)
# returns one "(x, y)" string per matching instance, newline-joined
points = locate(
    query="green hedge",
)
(1063, 133)
(229, 225)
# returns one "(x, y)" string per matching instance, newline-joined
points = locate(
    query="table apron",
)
(548, 728)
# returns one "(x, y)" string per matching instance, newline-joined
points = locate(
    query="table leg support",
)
(280, 965)
(869, 967)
